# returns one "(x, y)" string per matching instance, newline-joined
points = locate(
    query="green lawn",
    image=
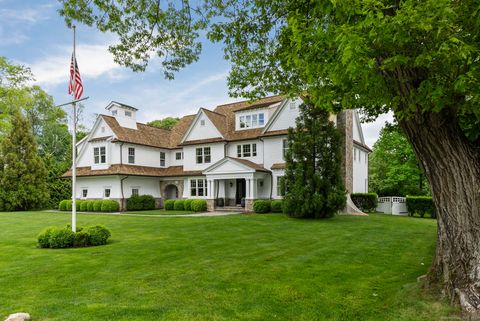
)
(240, 267)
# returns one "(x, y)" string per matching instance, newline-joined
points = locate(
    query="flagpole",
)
(74, 146)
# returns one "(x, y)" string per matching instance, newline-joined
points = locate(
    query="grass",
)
(159, 212)
(241, 267)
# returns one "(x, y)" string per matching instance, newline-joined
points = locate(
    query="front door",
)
(241, 193)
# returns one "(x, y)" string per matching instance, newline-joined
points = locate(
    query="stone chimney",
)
(345, 125)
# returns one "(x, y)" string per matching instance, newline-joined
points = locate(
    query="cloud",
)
(93, 60)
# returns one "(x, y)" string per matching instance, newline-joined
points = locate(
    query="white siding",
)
(286, 117)
(172, 158)
(276, 173)
(189, 157)
(356, 131)
(360, 171)
(232, 150)
(146, 186)
(208, 130)
(145, 155)
(96, 186)
(273, 147)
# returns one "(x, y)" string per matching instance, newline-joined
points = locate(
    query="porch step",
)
(229, 209)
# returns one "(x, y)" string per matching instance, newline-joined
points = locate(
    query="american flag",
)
(75, 87)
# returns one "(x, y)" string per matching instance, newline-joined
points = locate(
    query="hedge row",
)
(140, 202)
(266, 206)
(421, 205)
(59, 238)
(196, 205)
(367, 202)
(90, 206)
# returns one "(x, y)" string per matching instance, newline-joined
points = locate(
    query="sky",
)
(33, 34)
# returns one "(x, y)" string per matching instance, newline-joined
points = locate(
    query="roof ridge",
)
(249, 100)
(212, 111)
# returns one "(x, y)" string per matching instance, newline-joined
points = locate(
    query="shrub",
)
(81, 239)
(62, 206)
(199, 205)
(78, 204)
(169, 204)
(261, 206)
(187, 205)
(97, 205)
(110, 206)
(179, 205)
(68, 206)
(367, 202)
(134, 203)
(90, 206)
(98, 235)
(148, 202)
(84, 206)
(421, 205)
(44, 237)
(276, 206)
(61, 238)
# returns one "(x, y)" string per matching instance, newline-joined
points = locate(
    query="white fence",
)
(392, 205)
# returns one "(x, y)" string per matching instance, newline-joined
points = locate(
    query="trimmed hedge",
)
(110, 206)
(140, 202)
(199, 205)
(58, 238)
(276, 206)
(421, 205)
(97, 205)
(261, 206)
(187, 205)
(63, 205)
(179, 205)
(169, 205)
(78, 204)
(84, 206)
(367, 202)
(90, 206)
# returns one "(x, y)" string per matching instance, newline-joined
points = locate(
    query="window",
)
(99, 155)
(135, 191)
(128, 113)
(284, 148)
(131, 155)
(280, 180)
(114, 113)
(202, 122)
(203, 155)
(162, 159)
(84, 193)
(198, 187)
(293, 105)
(252, 120)
(179, 155)
(103, 129)
(106, 192)
(247, 150)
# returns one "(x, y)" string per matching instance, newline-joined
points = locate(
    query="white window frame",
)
(105, 188)
(84, 192)
(177, 154)
(131, 155)
(97, 153)
(252, 150)
(201, 155)
(252, 120)
(137, 189)
(162, 159)
(284, 147)
(198, 186)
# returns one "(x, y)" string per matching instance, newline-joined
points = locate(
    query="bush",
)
(140, 202)
(97, 205)
(187, 205)
(83, 206)
(90, 206)
(98, 235)
(61, 238)
(179, 205)
(199, 205)
(110, 206)
(78, 204)
(367, 202)
(81, 239)
(421, 205)
(261, 206)
(169, 205)
(277, 206)
(63, 205)
(148, 202)
(44, 237)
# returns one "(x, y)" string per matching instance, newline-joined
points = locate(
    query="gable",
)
(285, 115)
(357, 128)
(101, 129)
(228, 166)
(202, 128)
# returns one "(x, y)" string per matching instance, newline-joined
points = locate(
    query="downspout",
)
(121, 190)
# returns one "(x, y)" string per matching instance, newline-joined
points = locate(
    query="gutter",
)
(121, 190)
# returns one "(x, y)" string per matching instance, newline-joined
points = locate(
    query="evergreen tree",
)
(313, 183)
(22, 172)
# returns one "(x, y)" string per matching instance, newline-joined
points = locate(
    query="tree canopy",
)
(165, 123)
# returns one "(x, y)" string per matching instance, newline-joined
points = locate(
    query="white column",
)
(210, 189)
(248, 190)
(252, 188)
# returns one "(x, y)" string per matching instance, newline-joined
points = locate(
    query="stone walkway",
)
(206, 214)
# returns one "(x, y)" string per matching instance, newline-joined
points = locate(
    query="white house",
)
(232, 153)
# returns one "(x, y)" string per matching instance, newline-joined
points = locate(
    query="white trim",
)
(359, 126)
(194, 122)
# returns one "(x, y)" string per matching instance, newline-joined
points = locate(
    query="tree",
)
(416, 58)
(23, 174)
(312, 181)
(165, 123)
(393, 167)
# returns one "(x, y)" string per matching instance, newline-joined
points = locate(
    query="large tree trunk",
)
(452, 166)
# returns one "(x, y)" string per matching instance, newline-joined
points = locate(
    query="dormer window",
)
(293, 105)
(128, 113)
(114, 112)
(202, 122)
(253, 120)
(99, 155)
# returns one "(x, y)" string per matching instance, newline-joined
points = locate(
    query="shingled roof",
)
(122, 169)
